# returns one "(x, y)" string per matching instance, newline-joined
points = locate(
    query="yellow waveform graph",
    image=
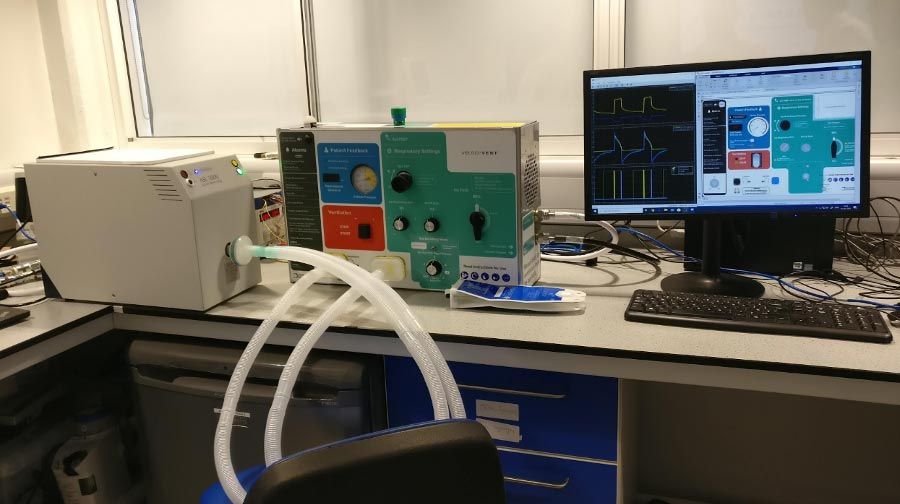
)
(631, 185)
(618, 105)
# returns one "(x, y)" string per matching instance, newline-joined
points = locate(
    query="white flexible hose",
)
(397, 312)
(434, 368)
(451, 389)
(401, 309)
(18, 250)
(613, 238)
(222, 443)
(275, 420)
(281, 401)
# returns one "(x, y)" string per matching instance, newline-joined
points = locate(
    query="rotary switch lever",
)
(401, 223)
(433, 268)
(477, 220)
(432, 225)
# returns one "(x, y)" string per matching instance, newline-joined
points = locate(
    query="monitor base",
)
(724, 284)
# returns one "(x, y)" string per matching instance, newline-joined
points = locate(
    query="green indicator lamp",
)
(239, 170)
(398, 114)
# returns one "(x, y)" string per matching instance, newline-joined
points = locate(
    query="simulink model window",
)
(762, 139)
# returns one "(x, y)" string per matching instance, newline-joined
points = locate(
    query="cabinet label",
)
(499, 410)
(501, 431)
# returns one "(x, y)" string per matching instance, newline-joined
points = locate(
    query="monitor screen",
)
(784, 135)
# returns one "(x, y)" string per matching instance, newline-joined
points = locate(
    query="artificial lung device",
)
(143, 227)
(428, 203)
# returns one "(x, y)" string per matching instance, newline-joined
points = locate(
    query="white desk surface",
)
(600, 330)
(598, 341)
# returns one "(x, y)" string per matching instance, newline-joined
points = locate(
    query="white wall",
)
(460, 60)
(27, 119)
(79, 73)
(54, 86)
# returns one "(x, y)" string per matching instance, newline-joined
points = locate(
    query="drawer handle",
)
(512, 392)
(541, 484)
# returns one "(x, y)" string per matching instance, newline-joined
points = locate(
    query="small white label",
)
(418, 245)
(240, 419)
(494, 409)
(501, 431)
(245, 414)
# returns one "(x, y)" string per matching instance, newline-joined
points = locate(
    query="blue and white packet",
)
(471, 294)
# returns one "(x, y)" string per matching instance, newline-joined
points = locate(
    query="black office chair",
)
(448, 462)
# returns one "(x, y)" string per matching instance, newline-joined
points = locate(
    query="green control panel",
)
(426, 204)
(437, 215)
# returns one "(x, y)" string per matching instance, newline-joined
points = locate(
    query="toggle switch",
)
(364, 231)
(477, 220)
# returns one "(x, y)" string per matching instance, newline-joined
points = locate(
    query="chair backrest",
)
(437, 462)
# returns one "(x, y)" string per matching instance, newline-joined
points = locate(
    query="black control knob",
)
(402, 181)
(432, 225)
(477, 220)
(433, 268)
(401, 223)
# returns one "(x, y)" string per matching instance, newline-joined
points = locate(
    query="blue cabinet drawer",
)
(553, 412)
(531, 479)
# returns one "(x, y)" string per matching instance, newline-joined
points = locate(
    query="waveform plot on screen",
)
(641, 106)
(631, 184)
(646, 153)
(618, 107)
(642, 142)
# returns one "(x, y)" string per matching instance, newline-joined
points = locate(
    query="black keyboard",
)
(784, 316)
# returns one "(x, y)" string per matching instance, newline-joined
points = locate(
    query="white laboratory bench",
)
(596, 342)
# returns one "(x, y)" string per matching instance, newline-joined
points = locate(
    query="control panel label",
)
(748, 127)
(349, 173)
(299, 177)
(353, 227)
(452, 212)
(488, 270)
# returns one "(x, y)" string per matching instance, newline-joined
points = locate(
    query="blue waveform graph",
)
(625, 154)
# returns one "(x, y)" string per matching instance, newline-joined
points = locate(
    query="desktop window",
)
(731, 140)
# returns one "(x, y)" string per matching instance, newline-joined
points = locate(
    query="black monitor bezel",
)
(865, 127)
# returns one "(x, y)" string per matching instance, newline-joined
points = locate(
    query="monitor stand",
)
(710, 279)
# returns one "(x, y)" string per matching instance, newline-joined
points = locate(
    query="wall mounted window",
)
(236, 68)
(208, 68)
(462, 60)
(215, 67)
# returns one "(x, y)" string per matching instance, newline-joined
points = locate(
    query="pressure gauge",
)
(758, 126)
(364, 179)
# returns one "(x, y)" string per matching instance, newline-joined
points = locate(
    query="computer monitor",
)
(783, 136)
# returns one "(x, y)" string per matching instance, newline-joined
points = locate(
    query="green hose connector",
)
(398, 114)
